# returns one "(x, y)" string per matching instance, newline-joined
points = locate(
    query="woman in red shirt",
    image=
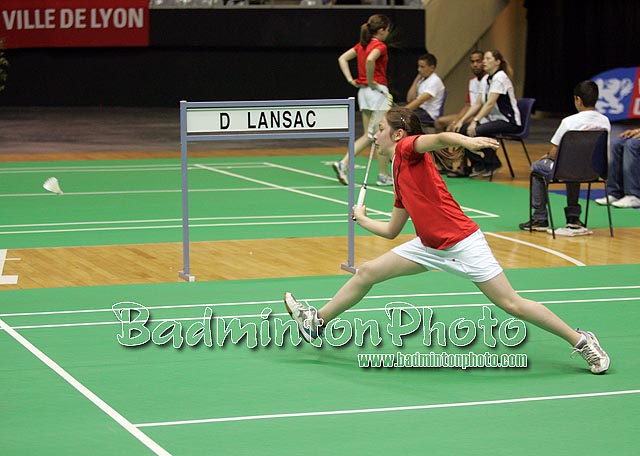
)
(447, 239)
(373, 93)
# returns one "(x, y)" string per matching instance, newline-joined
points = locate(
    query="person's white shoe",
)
(589, 348)
(603, 201)
(627, 201)
(384, 180)
(306, 317)
(338, 167)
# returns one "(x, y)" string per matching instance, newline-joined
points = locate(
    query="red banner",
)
(74, 23)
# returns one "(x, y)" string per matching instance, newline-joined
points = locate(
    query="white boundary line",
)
(195, 219)
(368, 297)
(122, 421)
(539, 247)
(288, 189)
(358, 310)
(116, 168)
(387, 409)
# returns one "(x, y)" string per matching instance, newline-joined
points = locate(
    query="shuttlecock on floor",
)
(52, 185)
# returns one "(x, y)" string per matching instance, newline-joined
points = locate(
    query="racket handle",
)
(361, 195)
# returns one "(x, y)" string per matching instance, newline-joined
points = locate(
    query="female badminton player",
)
(373, 94)
(447, 239)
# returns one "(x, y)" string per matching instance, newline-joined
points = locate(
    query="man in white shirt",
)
(477, 68)
(585, 96)
(426, 94)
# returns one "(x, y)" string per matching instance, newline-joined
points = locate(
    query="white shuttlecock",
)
(52, 185)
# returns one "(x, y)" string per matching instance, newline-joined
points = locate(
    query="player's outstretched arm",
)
(425, 143)
(389, 229)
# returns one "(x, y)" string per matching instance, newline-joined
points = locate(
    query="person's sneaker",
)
(571, 231)
(534, 225)
(575, 223)
(490, 172)
(477, 172)
(603, 201)
(306, 317)
(338, 167)
(589, 348)
(627, 201)
(384, 180)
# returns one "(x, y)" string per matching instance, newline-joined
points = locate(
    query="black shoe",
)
(575, 223)
(534, 225)
(458, 173)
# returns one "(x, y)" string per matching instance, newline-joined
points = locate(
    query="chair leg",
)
(506, 155)
(526, 152)
(606, 194)
(531, 177)
(586, 212)
(549, 212)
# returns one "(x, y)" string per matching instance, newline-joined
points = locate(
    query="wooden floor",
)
(156, 263)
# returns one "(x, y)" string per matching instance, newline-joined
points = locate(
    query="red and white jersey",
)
(438, 219)
(380, 70)
(474, 89)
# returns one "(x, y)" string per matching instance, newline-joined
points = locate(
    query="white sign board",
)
(267, 119)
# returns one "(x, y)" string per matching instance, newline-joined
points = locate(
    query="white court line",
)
(193, 219)
(106, 408)
(539, 247)
(285, 314)
(288, 189)
(484, 214)
(368, 297)
(107, 168)
(387, 409)
(161, 227)
(193, 190)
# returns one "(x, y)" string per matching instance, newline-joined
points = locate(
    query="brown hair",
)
(403, 118)
(504, 65)
(371, 27)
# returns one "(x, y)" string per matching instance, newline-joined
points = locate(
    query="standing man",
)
(585, 96)
(426, 94)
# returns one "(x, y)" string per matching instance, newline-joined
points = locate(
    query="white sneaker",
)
(603, 201)
(338, 167)
(627, 201)
(570, 231)
(592, 352)
(384, 180)
(306, 317)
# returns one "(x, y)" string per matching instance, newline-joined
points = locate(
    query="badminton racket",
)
(363, 189)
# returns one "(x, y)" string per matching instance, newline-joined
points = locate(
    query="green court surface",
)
(139, 201)
(288, 399)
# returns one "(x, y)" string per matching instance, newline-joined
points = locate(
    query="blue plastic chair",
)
(525, 106)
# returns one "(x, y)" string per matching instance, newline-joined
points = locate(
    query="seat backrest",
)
(525, 106)
(444, 100)
(581, 156)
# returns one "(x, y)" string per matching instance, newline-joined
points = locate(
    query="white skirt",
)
(470, 258)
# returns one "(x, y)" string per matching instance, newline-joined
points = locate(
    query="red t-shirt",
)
(437, 217)
(380, 70)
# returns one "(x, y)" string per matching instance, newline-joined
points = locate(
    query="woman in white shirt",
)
(495, 111)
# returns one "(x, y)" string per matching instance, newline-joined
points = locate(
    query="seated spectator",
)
(623, 178)
(473, 90)
(585, 96)
(426, 94)
(495, 111)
